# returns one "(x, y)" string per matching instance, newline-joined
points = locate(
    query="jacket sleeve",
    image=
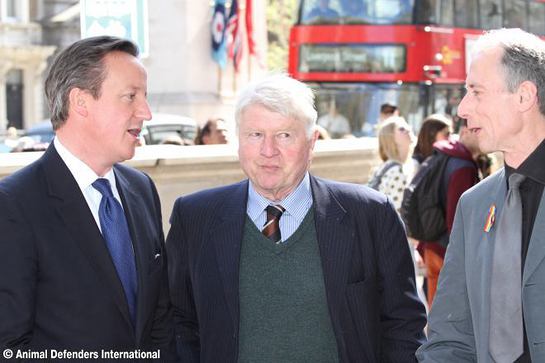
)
(402, 314)
(451, 337)
(162, 333)
(18, 275)
(186, 325)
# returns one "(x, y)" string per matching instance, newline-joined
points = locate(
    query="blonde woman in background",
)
(395, 138)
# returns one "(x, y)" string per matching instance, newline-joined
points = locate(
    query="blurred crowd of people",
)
(402, 154)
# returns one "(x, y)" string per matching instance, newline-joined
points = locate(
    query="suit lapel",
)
(335, 234)
(335, 240)
(497, 198)
(536, 248)
(78, 219)
(134, 208)
(227, 236)
(483, 252)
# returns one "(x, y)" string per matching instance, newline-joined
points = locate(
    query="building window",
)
(14, 97)
(14, 11)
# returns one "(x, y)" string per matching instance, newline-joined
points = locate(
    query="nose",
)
(268, 147)
(144, 111)
(463, 106)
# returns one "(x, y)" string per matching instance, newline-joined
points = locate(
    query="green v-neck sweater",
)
(284, 315)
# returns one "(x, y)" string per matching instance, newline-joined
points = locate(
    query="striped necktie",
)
(271, 229)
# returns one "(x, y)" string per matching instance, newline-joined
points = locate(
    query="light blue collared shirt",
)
(296, 204)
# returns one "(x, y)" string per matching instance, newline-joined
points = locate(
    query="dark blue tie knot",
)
(103, 186)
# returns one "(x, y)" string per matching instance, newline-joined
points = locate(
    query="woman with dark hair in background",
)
(434, 128)
(213, 132)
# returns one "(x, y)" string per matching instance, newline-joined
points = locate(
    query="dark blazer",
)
(58, 285)
(368, 273)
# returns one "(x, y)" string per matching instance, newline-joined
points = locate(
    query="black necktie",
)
(115, 231)
(271, 229)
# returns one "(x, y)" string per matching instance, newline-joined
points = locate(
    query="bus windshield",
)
(358, 104)
(476, 14)
(356, 12)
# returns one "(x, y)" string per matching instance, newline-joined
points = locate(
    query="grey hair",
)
(523, 58)
(80, 65)
(281, 94)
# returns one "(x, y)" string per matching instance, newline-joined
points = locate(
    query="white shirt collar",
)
(296, 203)
(82, 173)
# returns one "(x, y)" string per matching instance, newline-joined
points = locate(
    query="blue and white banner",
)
(219, 39)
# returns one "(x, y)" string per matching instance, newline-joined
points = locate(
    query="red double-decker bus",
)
(359, 54)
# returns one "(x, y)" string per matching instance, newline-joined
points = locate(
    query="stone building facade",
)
(182, 77)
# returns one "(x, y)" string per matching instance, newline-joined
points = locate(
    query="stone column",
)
(5, 66)
(34, 85)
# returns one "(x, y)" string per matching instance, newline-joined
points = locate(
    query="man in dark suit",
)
(287, 267)
(82, 265)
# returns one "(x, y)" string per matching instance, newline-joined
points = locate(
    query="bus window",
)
(353, 58)
(515, 14)
(537, 18)
(360, 104)
(447, 16)
(390, 11)
(320, 12)
(427, 12)
(354, 11)
(491, 14)
(466, 13)
(446, 98)
(315, 12)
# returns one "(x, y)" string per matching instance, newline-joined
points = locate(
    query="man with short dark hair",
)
(387, 110)
(82, 262)
(370, 128)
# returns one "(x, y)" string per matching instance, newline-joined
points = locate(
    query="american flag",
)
(235, 30)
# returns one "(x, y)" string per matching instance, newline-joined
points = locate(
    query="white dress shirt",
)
(84, 177)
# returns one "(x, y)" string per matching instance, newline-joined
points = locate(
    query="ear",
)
(78, 99)
(313, 138)
(527, 94)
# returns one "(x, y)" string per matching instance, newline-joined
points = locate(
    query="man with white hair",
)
(285, 266)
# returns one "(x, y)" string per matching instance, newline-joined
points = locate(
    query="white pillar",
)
(5, 66)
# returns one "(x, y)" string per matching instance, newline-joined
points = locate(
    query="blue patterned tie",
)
(115, 231)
